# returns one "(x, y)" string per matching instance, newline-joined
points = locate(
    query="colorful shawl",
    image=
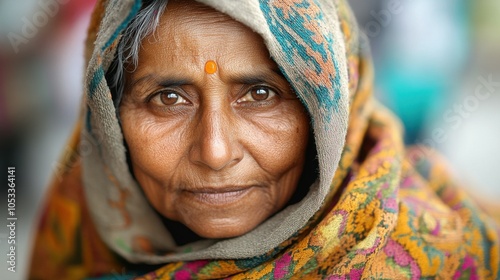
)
(376, 211)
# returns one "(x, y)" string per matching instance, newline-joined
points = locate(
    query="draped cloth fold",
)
(377, 210)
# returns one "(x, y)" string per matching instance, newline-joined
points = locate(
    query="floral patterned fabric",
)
(390, 212)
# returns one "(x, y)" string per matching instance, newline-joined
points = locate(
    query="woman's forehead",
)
(190, 34)
(182, 12)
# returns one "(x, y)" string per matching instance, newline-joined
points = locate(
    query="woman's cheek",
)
(153, 143)
(155, 150)
(278, 141)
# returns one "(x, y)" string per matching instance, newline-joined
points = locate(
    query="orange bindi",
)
(210, 67)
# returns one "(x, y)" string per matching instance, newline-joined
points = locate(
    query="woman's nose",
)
(215, 144)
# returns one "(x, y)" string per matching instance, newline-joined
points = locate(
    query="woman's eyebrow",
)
(270, 75)
(162, 81)
(274, 76)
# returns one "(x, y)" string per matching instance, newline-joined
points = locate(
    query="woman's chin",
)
(219, 223)
(218, 215)
(220, 228)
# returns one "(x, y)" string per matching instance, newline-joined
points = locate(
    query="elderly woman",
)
(239, 139)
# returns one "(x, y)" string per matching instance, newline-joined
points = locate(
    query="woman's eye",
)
(258, 94)
(170, 98)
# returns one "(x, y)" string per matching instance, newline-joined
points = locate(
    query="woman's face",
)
(218, 152)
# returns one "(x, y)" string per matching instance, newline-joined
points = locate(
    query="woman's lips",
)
(219, 196)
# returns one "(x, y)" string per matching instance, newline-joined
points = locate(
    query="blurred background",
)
(437, 67)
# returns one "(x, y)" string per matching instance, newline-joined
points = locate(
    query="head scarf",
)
(375, 211)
